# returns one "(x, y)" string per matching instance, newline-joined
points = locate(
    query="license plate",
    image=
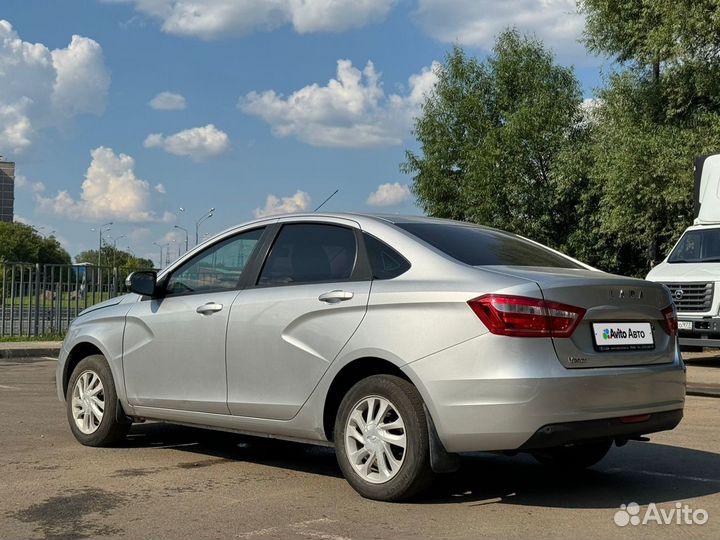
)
(623, 336)
(685, 325)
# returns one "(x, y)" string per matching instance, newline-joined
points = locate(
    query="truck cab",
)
(692, 269)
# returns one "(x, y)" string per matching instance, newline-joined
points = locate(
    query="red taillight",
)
(671, 321)
(526, 317)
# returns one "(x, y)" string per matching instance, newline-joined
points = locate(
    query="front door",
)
(174, 346)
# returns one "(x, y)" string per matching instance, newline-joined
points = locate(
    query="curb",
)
(703, 391)
(19, 354)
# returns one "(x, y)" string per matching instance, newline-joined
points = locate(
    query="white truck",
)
(692, 269)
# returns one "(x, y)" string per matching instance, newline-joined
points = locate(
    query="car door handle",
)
(333, 297)
(210, 307)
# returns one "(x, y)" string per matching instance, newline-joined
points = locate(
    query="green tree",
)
(490, 135)
(672, 46)
(110, 256)
(656, 113)
(22, 243)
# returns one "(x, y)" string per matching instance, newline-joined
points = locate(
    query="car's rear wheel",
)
(92, 404)
(381, 439)
(574, 457)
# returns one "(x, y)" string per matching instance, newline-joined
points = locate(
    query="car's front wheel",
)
(381, 439)
(91, 403)
(577, 456)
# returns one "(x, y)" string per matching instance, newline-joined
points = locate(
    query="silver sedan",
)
(400, 341)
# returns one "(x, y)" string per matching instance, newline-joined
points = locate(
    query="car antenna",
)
(326, 200)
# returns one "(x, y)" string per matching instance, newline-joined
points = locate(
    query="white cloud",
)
(111, 190)
(21, 182)
(477, 22)
(198, 143)
(40, 88)
(351, 111)
(389, 195)
(168, 101)
(212, 19)
(160, 188)
(286, 205)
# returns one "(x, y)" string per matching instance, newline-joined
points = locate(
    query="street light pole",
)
(161, 252)
(100, 231)
(115, 241)
(186, 237)
(167, 251)
(199, 221)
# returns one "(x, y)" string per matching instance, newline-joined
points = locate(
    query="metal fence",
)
(43, 299)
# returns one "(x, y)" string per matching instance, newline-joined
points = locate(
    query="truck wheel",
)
(91, 402)
(577, 456)
(381, 439)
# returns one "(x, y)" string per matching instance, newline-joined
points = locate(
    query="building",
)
(7, 190)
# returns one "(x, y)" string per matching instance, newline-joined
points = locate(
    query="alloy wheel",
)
(88, 402)
(375, 439)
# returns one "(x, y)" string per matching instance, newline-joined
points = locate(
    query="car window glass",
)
(385, 262)
(216, 269)
(307, 253)
(481, 246)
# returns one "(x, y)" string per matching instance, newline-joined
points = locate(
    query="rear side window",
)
(310, 253)
(385, 262)
(478, 246)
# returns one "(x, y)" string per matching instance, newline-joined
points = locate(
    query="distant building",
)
(7, 190)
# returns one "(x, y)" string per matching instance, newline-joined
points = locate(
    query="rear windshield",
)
(697, 246)
(485, 247)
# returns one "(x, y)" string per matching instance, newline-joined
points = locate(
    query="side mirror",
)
(143, 282)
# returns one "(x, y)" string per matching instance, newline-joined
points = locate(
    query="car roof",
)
(388, 218)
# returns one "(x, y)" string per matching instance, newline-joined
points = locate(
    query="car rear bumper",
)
(603, 429)
(705, 331)
(482, 397)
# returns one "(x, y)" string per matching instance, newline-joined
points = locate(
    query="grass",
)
(17, 339)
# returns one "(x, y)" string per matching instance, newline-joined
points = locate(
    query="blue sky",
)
(255, 126)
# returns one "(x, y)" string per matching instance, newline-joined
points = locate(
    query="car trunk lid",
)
(615, 305)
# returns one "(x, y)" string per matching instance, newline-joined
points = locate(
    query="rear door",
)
(284, 331)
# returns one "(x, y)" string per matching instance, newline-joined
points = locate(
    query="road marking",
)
(664, 475)
(301, 527)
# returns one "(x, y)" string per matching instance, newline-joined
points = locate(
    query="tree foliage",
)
(646, 32)
(656, 113)
(507, 143)
(22, 243)
(490, 135)
(110, 256)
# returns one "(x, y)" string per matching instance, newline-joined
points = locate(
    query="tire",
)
(575, 457)
(406, 472)
(108, 431)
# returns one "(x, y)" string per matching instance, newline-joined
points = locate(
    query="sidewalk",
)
(29, 349)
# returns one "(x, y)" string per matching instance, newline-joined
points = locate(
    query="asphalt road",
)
(177, 482)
